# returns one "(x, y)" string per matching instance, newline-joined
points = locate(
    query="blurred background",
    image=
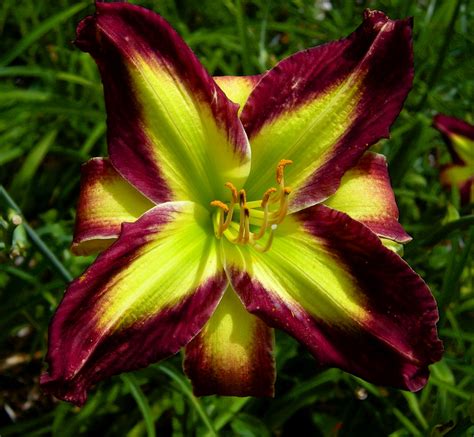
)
(52, 119)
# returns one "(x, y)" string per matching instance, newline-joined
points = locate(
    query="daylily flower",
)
(215, 243)
(459, 137)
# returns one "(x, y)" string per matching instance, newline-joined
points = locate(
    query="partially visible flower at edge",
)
(209, 247)
(459, 137)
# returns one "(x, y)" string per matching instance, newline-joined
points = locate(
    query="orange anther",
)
(281, 167)
(233, 190)
(267, 195)
(220, 204)
(253, 225)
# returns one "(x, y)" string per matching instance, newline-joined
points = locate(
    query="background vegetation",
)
(52, 119)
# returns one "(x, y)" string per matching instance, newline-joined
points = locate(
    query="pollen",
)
(233, 190)
(281, 169)
(220, 205)
(254, 222)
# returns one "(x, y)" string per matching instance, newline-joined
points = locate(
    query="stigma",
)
(253, 223)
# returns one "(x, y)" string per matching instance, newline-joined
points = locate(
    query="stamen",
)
(266, 196)
(223, 209)
(230, 214)
(260, 214)
(264, 205)
(243, 214)
(280, 170)
(269, 242)
(281, 213)
(233, 190)
(242, 198)
(220, 205)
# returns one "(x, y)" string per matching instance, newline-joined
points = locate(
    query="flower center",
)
(243, 222)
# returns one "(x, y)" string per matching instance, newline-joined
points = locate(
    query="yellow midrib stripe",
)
(304, 133)
(164, 107)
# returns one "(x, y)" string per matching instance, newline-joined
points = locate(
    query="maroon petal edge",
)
(79, 355)
(114, 33)
(466, 186)
(449, 126)
(385, 224)
(398, 342)
(381, 49)
(213, 375)
(94, 226)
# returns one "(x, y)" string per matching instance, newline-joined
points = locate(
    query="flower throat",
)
(253, 219)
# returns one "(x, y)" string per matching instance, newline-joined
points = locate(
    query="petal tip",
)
(448, 126)
(86, 34)
(376, 18)
(63, 390)
(417, 380)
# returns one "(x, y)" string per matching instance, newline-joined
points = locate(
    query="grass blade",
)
(33, 161)
(187, 391)
(242, 27)
(413, 404)
(35, 238)
(46, 74)
(142, 402)
(439, 234)
(39, 31)
(441, 56)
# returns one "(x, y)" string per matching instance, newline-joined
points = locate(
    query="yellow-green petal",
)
(365, 194)
(323, 107)
(328, 281)
(172, 132)
(237, 88)
(142, 300)
(106, 200)
(232, 355)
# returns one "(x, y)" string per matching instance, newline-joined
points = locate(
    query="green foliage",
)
(52, 119)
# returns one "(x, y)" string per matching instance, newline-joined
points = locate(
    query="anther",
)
(266, 196)
(233, 190)
(265, 214)
(280, 169)
(223, 209)
(242, 198)
(220, 205)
